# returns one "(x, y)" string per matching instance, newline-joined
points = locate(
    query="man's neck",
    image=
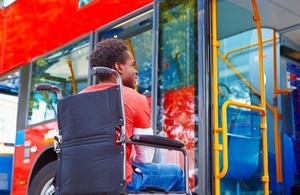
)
(110, 80)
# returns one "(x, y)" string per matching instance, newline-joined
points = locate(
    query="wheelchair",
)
(92, 143)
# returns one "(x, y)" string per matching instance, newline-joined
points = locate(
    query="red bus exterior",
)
(186, 87)
(50, 24)
(31, 29)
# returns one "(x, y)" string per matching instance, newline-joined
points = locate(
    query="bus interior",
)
(239, 79)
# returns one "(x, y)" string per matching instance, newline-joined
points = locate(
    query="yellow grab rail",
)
(277, 140)
(224, 129)
(277, 136)
(72, 77)
(265, 176)
(247, 47)
(243, 79)
(216, 146)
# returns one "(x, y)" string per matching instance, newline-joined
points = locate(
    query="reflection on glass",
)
(6, 3)
(177, 78)
(10, 84)
(142, 50)
(138, 35)
(177, 59)
(67, 69)
(82, 3)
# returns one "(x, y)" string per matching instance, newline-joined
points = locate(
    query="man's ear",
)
(118, 67)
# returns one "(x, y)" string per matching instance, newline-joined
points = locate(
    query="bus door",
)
(166, 72)
(256, 93)
(179, 108)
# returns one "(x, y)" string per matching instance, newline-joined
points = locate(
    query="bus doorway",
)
(256, 93)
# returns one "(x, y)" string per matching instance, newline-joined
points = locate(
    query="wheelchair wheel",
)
(42, 182)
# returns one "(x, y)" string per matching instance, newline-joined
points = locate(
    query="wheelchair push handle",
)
(101, 71)
(104, 71)
(48, 87)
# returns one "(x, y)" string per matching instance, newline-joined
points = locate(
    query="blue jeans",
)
(161, 176)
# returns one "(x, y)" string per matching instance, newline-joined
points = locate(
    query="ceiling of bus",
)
(235, 16)
(74, 62)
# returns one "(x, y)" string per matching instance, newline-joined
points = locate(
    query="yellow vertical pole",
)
(128, 41)
(263, 126)
(216, 146)
(277, 139)
(74, 82)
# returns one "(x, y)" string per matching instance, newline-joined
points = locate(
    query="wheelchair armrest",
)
(165, 143)
(156, 141)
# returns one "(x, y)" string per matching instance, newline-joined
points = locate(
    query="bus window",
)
(138, 34)
(10, 85)
(82, 3)
(177, 79)
(142, 48)
(66, 68)
(6, 3)
(177, 59)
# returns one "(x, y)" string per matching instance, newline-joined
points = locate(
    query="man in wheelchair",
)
(140, 171)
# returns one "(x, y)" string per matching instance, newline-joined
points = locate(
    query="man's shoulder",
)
(97, 87)
(132, 93)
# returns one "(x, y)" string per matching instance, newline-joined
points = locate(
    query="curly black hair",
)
(108, 52)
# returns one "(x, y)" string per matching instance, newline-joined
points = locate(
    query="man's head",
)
(115, 54)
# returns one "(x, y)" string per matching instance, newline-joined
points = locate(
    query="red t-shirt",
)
(137, 114)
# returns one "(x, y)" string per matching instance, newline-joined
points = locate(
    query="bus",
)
(8, 119)
(222, 76)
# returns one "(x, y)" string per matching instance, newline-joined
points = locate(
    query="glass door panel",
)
(137, 32)
(177, 79)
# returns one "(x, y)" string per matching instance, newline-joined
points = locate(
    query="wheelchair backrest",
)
(90, 160)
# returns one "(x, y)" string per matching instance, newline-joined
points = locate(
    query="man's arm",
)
(143, 154)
